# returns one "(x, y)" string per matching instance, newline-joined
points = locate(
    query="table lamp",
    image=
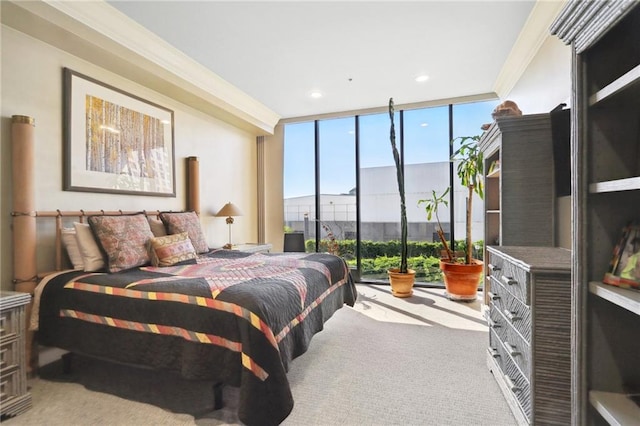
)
(229, 210)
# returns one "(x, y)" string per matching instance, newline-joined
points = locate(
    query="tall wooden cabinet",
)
(605, 39)
(519, 196)
(519, 183)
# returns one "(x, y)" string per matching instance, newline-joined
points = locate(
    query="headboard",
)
(24, 215)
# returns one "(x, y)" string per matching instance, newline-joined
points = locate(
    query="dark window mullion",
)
(317, 177)
(452, 216)
(358, 236)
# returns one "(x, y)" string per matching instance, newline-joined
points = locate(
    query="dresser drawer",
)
(514, 278)
(514, 344)
(494, 343)
(9, 324)
(514, 311)
(9, 370)
(516, 383)
(9, 388)
(8, 355)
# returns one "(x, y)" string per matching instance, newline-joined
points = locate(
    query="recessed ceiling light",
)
(316, 94)
(422, 78)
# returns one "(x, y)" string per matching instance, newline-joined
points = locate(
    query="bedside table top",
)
(252, 247)
(11, 299)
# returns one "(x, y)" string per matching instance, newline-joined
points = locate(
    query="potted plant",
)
(461, 276)
(402, 278)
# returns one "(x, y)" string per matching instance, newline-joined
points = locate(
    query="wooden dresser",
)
(14, 398)
(530, 330)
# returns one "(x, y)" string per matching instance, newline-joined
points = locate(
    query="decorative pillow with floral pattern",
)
(124, 239)
(188, 222)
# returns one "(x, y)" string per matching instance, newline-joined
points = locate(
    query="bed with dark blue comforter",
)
(227, 316)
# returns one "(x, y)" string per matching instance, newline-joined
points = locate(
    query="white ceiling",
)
(357, 53)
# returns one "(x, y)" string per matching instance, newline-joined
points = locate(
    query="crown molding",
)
(533, 35)
(138, 54)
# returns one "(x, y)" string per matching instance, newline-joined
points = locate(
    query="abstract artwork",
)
(116, 142)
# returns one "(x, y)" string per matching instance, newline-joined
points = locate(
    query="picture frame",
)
(624, 268)
(115, 142)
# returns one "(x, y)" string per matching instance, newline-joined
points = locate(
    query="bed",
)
(227, 316)
(230, 317)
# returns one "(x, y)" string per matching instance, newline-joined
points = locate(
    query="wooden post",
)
(24, 216)
(193, 185)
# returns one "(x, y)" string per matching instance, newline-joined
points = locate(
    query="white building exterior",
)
(380, 203)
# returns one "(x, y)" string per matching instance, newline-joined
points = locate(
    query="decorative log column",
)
(193, 185)
(24, 216)
(260, 168)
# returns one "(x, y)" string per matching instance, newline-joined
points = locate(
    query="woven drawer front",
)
(514, 311)
(515, 346)
(9, 369)
(494, 344)
(9, 324)
(514, 278)
(516, 382)
(8, 355)
(9, 384)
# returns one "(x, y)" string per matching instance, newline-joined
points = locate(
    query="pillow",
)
(188, 222)
(123, 239)
(70, 244)
(91, 255)
(157, 227)
(171, 249)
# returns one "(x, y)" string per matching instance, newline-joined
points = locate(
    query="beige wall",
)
(32, 85)
(546, 83)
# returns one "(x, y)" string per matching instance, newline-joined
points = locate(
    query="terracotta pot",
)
(401, 283)
(461, 281)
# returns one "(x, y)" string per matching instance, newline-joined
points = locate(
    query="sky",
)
(426, 136)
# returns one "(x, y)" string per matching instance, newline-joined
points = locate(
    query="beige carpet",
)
(388, 361)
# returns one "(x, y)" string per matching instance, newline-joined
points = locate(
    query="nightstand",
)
(14, 398)
(253, 248)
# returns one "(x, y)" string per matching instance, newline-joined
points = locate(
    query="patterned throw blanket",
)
(227, 316)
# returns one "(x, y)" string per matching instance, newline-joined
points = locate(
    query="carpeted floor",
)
(387, 361)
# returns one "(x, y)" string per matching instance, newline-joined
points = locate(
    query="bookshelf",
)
(606, 188)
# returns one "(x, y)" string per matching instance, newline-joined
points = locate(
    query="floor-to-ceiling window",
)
(337, 186)
(343, 168)
(300, 179)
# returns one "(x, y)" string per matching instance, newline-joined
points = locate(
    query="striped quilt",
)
(227, 316)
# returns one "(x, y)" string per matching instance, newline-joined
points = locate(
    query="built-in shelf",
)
(616, 408)
(493, 211)
(494, 174)
(628, 299)
(625, 82)
(604, 155)
(628, 184)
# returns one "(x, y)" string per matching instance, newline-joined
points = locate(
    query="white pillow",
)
(91, 254)
(70, 244)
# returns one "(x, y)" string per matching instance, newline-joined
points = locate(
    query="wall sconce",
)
(229, 210)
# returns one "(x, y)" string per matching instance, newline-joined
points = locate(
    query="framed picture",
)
(116, 142)
(624, 269)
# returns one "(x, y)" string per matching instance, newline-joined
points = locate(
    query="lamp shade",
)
(229, 209)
